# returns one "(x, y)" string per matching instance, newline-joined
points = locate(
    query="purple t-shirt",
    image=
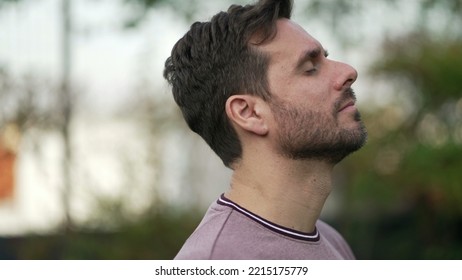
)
(229, 231)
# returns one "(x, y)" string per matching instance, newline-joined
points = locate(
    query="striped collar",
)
(313, 237)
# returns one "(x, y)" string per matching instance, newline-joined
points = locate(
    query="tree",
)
(405, 186)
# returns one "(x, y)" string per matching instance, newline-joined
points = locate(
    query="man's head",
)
(217, 59)
(311, 98)
(257, 51)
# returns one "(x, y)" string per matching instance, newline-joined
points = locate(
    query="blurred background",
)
(97, 163)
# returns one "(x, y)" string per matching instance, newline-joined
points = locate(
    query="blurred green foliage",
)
(155, 235)
(404, 199)
(430, 63)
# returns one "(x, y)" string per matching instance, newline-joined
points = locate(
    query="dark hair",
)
(215, 60)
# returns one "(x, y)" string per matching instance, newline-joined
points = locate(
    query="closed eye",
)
(310, 61)
(311, 71)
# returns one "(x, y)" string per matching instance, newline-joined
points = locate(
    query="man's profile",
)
(262, 93)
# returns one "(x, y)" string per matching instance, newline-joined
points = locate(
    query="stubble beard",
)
(305, 134)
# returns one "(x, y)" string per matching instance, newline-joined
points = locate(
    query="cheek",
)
(281, 88)
(310, 92)
(312, 98)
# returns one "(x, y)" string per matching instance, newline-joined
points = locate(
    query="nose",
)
(346, 76)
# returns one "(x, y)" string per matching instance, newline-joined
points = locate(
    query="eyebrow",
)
(309, 55)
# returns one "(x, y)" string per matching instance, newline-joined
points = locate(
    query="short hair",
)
(217, 59)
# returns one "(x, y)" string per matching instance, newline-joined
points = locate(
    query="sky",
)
(105, 56)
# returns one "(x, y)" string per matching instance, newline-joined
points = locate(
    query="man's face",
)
(312, 101)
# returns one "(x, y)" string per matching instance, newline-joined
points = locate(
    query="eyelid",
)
(312, 70)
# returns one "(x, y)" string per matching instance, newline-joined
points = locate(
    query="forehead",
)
(290, 42)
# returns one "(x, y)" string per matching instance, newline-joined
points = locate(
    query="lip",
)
(347, 105)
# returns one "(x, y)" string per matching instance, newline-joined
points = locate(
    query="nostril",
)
(347, 77)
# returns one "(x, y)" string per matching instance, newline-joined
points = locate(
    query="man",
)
(263, 94)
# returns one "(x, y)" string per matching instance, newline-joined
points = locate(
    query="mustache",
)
(347, 95)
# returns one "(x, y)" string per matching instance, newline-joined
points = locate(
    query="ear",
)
(247, 112)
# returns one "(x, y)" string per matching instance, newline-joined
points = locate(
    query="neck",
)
(290, 193)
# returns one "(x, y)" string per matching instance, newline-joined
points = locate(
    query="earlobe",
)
(245, 112)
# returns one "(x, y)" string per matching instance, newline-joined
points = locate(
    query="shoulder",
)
(201, 243)
(225, 233)
(334, 239)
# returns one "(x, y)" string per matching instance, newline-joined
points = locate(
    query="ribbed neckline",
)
(313, 237)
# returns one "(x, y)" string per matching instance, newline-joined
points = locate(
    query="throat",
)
(285, 202)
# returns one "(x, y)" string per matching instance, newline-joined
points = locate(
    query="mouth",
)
(348, 105)
(347, 101)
